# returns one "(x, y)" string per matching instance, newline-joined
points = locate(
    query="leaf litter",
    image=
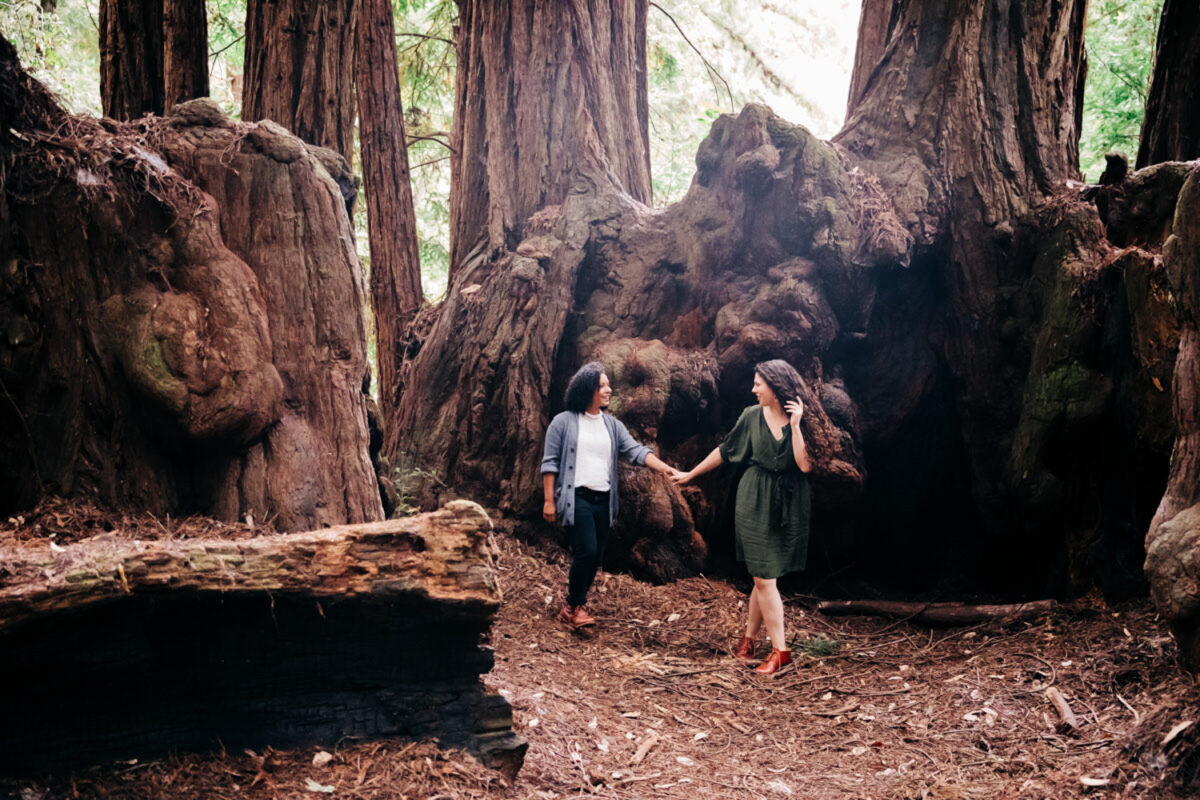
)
(633, 710)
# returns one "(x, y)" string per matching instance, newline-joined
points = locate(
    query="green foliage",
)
(818, 646)
(795, 57)
(1120, 41)
(61, 48)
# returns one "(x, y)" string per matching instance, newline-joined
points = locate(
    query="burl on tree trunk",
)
(184, 308)
(117, 648)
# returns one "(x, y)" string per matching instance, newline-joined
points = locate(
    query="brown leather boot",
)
(576, 617)
(744, 650)
(775, 661)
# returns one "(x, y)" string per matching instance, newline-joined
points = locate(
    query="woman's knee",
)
(764, 584)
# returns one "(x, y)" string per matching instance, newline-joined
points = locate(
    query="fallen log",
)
(117, 648)
(938, 614)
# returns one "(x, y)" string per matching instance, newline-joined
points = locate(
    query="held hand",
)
(549, 512)
(680, 478)
(795, 410)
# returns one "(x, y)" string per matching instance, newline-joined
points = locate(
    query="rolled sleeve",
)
(550, 453)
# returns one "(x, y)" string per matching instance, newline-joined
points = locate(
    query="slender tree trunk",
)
(299, 68)
(185, 51)
(1171, 128)
(545, 90)
(391, 220)
(131, 58)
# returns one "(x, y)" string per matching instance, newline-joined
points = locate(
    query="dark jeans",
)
(588, 538)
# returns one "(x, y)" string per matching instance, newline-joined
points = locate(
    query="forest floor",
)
(650, 705)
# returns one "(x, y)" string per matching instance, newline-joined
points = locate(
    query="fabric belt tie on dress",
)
(779, 491)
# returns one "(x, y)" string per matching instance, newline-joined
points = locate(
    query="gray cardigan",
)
(559, 458)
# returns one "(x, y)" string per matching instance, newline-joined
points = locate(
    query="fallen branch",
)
(935, 613)
(1067, 721)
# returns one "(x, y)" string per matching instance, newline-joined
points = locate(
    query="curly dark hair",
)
(782, 377)
(583, 387)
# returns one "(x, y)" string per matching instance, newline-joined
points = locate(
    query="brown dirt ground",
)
(651, 705)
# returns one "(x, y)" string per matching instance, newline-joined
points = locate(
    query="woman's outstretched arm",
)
(657, 464)
(710, 462)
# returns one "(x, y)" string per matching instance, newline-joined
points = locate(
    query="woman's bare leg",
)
(770, 606)
(754, 621)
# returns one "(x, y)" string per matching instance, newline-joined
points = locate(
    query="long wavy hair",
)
(782, 377)
(583, 387)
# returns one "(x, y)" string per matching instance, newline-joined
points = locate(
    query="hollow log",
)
(116, 648)
(937, 614)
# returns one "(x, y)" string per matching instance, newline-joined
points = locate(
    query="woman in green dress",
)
(773, 503)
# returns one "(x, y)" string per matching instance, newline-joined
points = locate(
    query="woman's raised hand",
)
(795, 410)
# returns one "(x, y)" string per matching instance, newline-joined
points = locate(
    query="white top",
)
(593, 453)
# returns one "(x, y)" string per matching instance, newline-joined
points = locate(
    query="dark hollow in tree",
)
(391, 219)
(1171, 127)
(299, 68)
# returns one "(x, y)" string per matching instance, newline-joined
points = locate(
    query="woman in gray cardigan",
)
(579, 479)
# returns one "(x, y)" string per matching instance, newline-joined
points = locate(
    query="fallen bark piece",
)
(948, 614)
(1067, 721)
(651, 740)
(117, 648)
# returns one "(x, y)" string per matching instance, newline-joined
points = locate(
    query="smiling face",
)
(603, 394)
(763, 392)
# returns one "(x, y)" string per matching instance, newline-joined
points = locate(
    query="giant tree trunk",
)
(541, 89)
(1171, 127)
(174, 350)
(185, 51)
(131, 58)
(391, 219)
(915, 271)
(299, 68)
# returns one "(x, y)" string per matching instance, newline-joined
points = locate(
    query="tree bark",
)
(391, 219)
(131, 58)
(356, 630)
(897, 268)
(187, 352)
(1171, 127)
(545, 94)
(299, 69)
(876, 22)
(185, 51)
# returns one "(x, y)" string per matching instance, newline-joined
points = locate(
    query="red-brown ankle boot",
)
(775, 661)
(744, 650)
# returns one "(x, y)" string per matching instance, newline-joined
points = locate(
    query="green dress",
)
(774, 501)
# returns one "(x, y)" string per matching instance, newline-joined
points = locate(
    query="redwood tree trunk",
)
(185, 51)
(1171, 127)
(541, 88)
(131, 58)
(391, 219)
(183, 318)
(299, 68)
